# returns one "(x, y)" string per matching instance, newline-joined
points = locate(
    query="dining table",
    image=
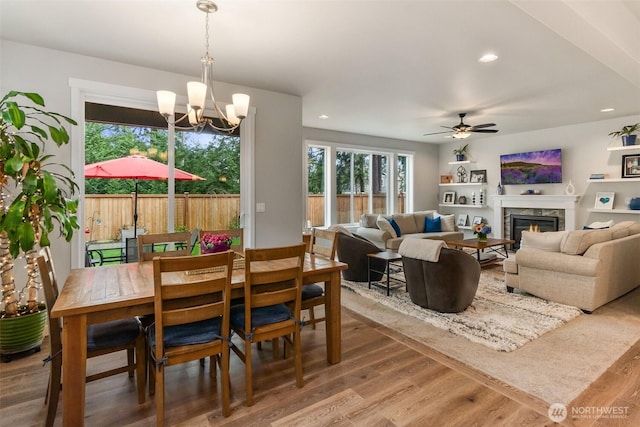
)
(98, 294)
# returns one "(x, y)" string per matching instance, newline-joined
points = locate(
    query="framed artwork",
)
(449, 198)
(631, 166)
(462, 220)
(604, 200)
(446, 179)
(478, 176)
(477, 219)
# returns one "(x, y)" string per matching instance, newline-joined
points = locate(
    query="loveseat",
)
(384, 234)
(582, 268)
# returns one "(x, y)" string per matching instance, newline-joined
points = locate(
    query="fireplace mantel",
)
(540, 201)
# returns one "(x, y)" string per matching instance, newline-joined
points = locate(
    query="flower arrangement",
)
(481, 230)
(210, 241)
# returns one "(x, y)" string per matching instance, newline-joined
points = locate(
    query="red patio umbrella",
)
(135, 167)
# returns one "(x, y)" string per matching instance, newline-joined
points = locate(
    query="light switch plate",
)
(260, 207)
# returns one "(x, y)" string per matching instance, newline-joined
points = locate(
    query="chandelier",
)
(198, 92)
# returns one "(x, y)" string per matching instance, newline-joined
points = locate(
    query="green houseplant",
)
(628, 134)
(460, 152)
(35, 196)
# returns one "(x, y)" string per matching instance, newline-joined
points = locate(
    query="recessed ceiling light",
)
(607, 110)
(488, 57)
(323, 117)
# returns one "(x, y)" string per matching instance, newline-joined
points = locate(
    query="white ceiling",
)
(390, 68)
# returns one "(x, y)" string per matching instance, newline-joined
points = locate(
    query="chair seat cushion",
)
(189, 333)
(311, 291)
(112, 334)
(260, 316)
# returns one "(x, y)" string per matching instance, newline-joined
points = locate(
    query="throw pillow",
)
(384, 225)
(549, 241)
(396, 228)
(448, 222)
(602, 224)
(432, 225)
(368, 220)
(578, 241)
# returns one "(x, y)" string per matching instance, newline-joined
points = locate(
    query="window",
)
(362, 179)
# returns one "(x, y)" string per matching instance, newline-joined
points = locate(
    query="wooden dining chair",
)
(192, 319)
(271, 308)
(174, 244)
(237, 234)
(102, 338)
(323, 243)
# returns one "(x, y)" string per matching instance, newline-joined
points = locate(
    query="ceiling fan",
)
(463, 130)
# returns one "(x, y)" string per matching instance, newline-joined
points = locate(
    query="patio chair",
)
(174, 244)
(271, 308)
(102, 338)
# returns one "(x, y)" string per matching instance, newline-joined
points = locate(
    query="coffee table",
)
(491, 245)
(390, 258)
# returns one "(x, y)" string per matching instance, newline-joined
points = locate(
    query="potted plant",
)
(215, 243)
(460, 152)
(628, 134)
(33, 200)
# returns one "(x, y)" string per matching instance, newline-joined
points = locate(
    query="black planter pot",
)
(460, 157)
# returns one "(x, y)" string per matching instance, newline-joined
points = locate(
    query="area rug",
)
(555, 367)
(497, 319)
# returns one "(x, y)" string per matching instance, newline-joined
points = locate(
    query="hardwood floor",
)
(384, 379)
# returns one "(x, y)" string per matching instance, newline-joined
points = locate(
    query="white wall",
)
(278, 130)
(584, 151)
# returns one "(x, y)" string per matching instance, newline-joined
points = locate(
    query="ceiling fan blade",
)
(483, 130)
(434, 133)
(447, 127)
(486, 125)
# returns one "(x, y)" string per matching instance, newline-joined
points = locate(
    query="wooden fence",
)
(107, 214)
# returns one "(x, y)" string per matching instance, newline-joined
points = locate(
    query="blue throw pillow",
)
(395, 226)
(432, 225)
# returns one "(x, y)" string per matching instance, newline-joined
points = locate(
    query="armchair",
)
(439, 278)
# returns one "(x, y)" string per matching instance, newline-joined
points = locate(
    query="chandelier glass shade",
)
(198, 92)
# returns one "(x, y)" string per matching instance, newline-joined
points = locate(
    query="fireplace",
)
(536, 223)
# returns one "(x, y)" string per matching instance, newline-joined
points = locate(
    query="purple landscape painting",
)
(533, 167)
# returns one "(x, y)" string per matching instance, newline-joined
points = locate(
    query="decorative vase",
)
(499, 189)
(216, 248)
(570, 188)
(634, 203)
(482, 237)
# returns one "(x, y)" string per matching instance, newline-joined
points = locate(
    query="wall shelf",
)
(463, 162)
(461, 206)
(615, 211)
(623, 148)
(457, 184)
(615, 180)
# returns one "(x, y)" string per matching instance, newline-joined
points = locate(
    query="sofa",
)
(582, 268)
(388, 231)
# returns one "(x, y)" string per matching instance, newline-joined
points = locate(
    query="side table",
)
(390, 258)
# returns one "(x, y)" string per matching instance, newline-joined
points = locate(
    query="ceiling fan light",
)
(461, 135)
